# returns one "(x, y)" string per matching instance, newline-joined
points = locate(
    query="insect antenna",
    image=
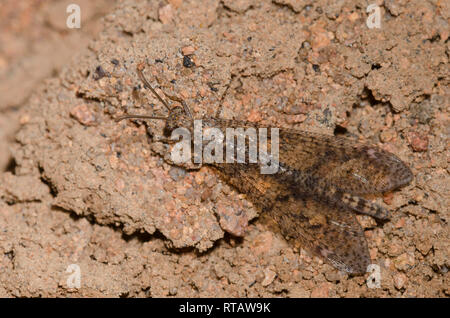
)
(139, 117)
(174, 98)
(147, 85)
(182, 102)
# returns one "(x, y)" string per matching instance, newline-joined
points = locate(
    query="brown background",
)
(77, 188)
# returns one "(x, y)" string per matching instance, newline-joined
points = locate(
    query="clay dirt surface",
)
(78, 188)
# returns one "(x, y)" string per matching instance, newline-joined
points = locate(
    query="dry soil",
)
(78, 188)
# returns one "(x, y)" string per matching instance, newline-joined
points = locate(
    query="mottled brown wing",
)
(350, 166)
(329, 232)
(333, 235)
(261, 189)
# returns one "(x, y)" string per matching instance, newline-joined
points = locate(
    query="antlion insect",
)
(317, 189)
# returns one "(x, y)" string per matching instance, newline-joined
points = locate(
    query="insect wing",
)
(349, 166)
(329, 232)
(332, 234)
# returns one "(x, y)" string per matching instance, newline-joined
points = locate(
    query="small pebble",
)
(269, 276)
(99, 73)
(418, 142)
(83, 114)
(187, 50)
(187, 62)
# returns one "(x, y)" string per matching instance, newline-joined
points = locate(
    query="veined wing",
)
(348, 165)
(328, 231)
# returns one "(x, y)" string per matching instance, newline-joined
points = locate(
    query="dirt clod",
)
(78, 188)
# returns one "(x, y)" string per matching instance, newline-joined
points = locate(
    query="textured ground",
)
(78, 188)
